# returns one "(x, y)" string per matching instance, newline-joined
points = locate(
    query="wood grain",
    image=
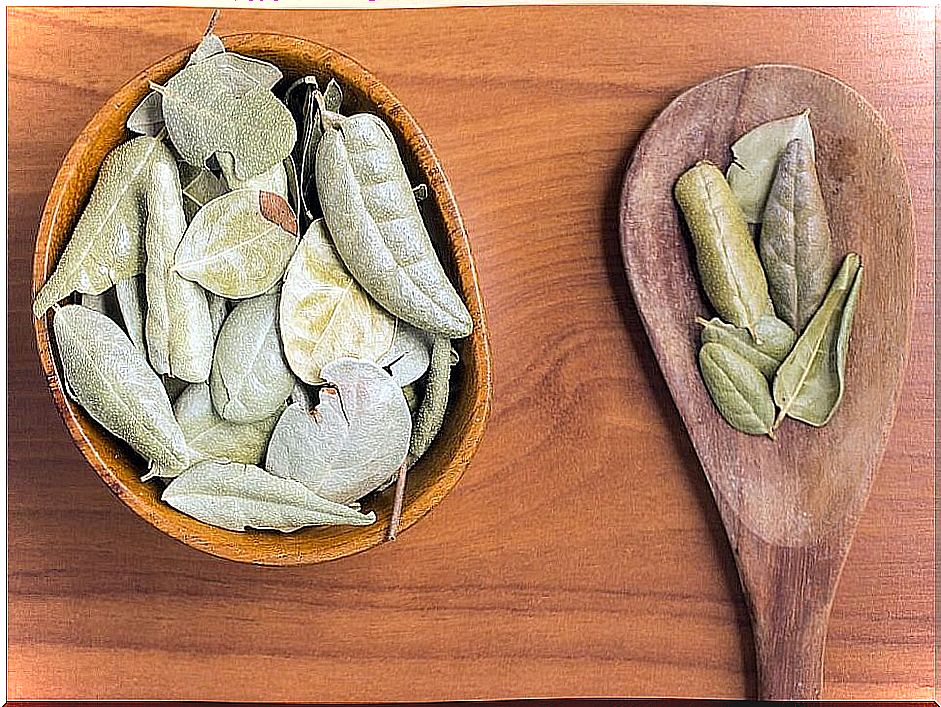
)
(789, 505)
(581, 554)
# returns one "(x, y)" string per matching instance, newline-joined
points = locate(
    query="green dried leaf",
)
(795, 237)
(809, 383)
(325, 315)
(201, 188)
(309, 129)
(106, 245)
(250, 379)
(728, 263)
(211, 437)
(218, 311)
(131, 302)
(177, 327)
(275, 180)
(214, 107)
(371, 213)
(353, 442)
(239, 244)
(777, 340)
(434, 404)
(241, 496)
(110, 378)
(147, 117)
(738, 389)
(756, 156)
(410, 354)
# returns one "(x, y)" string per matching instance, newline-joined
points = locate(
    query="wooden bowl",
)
(121, 468)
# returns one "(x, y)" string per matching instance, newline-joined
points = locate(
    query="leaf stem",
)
(212, 22)
(397, 502)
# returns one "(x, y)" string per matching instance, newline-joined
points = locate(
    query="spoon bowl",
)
(790, 505)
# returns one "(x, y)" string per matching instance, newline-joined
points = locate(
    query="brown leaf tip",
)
(278, 211)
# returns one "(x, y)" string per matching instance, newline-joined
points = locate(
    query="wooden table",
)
(581, 554)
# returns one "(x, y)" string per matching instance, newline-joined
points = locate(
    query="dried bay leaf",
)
(430, 415)
(728, 263)
(809, 383)
(131, 302)
(410, 354)
(738, 389)
(309, 130)
(325, 314)
(201, 188)
(214, 107)
(274, 180)
(177, 328)
(110, 378)
(372, 215)
(218, 311)
(250, 379)
(147, 117)
(795, 237)
(777, 340)
(208, 46)
(106, 245)
(211, 437)
(239, 244)
(755, 161)
(353, 442)
(240, 496)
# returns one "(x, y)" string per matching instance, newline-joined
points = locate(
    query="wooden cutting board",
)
(581, 553)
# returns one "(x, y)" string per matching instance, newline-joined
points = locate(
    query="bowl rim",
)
(183, 528)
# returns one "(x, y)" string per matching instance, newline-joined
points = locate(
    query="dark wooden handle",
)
(790, 592)
(790, 659)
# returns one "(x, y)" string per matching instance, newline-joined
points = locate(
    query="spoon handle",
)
(790, 592)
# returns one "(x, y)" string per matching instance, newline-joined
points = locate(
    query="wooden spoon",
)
(790, 506)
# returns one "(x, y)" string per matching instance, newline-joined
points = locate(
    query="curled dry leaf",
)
(777, 340)
(241, 496)
(325, 314)
(434, 404)
(756, 156)
(728, 263)
(372, 215)
(250, 379)
(177, 327)
(131, 302)
(809, 383)
(239, 244)
(106, 245)
(353, 442)
(110, 378)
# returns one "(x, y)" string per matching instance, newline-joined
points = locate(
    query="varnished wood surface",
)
(581, 554)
